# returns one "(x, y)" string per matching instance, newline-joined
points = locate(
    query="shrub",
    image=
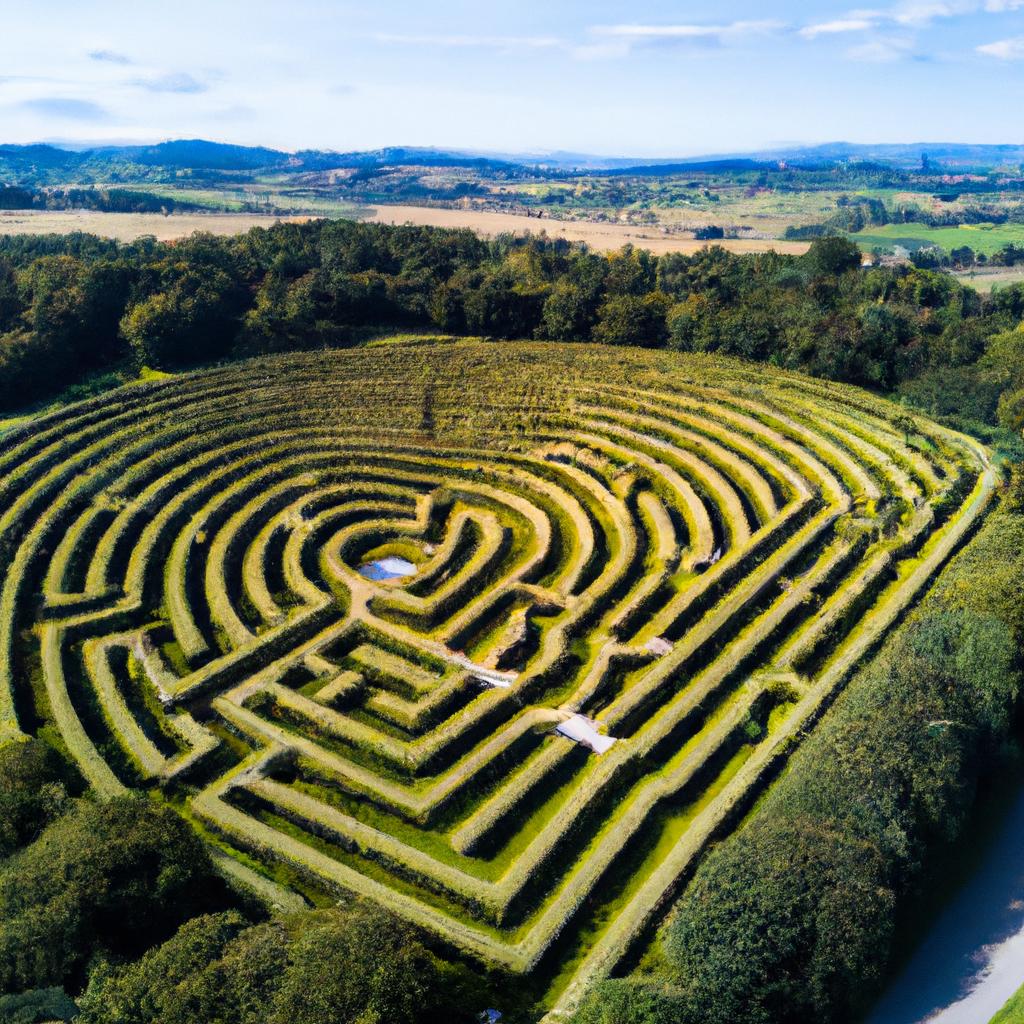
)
(115, 876)
(33, 781)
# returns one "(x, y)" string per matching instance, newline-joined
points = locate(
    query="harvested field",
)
(600, 236)
(126, 227)
(991, 279)
(691, 553)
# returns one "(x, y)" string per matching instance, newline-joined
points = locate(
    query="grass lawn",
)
(1013, 1011)
(986, 238)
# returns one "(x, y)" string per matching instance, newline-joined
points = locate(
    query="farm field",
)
(986, 238)
(126, 227)
(989, 279)
(598, 235)
(497, 636)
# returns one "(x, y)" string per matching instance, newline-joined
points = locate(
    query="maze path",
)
(692, 555)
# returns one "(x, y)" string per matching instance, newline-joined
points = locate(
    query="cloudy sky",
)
(647, 77)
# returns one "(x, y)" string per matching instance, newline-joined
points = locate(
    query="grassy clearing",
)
(991, 280)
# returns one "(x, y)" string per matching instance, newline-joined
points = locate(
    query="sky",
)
(641, 78)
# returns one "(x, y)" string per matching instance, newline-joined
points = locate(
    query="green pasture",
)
(986, 238)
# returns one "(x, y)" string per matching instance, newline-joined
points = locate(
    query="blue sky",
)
(646, 78)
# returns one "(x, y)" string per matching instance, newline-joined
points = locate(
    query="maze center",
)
(612, 600)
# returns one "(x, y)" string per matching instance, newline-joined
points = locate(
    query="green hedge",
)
(792, 918)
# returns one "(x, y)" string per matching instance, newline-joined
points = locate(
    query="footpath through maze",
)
(617, 587)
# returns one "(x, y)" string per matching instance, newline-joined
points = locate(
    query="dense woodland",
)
(77, 306)
(115, 200)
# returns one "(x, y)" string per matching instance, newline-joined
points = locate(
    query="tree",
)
(35, 1007)
(363, 966)
(194, 320)
(1011, 410)
(216, 968)
(632, 320)
(283, 317)
(905, 425)
(115, 876)
(569, 312)
(10, 301)
(630, 272)
(1004, 358)
(833, 256)
(350, 965)
(33, 792)
(963, 256)
(628, 1002)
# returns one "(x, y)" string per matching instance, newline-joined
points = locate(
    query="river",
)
(970, 957)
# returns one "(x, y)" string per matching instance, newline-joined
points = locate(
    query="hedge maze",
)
(682, 554)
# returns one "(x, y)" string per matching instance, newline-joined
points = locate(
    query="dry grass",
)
(599, 236)
(988, 280)
(126, 227)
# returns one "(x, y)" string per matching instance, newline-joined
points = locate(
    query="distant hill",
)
(51, 164)
(204, 155)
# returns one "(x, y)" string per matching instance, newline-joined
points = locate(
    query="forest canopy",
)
(76, 306)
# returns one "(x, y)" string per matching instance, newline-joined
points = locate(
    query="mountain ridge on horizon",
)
(221, 156)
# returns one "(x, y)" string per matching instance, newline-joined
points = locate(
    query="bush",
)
(363, 966)
(33, 792)
(113, 876)
(36, 1007)
(356, 965)
(622, 1002)
(215, 969)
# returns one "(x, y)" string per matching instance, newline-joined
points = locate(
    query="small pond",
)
(390, 568)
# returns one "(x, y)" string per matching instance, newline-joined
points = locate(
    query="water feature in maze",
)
(688, 553)
(391, 568)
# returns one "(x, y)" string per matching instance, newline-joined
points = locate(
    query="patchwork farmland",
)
(618, 588)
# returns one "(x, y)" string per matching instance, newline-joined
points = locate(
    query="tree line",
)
(105, 200)
(77, 307)
(857, 213)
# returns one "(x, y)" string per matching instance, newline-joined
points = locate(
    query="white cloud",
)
(110, 57)
(178, 81)
(909, 14)
(828, 28)
(721, 33)
(923, 13)
(881, 51)
(1004, 49)
(470, 41)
